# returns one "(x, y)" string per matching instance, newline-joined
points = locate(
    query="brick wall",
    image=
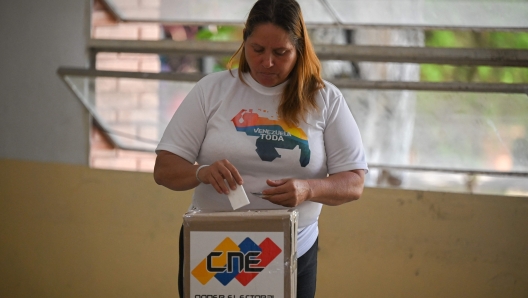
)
(129, 107)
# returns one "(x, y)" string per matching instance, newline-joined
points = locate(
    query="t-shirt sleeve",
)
(343, 144)
(186, 130)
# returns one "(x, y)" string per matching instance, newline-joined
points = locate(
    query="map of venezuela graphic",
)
(272, 134)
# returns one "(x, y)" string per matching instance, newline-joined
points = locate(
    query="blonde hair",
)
(298, 98)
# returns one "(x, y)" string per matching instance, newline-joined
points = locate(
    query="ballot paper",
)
(238, 197)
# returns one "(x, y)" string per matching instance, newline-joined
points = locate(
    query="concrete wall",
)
(71, 231)
(40, 119)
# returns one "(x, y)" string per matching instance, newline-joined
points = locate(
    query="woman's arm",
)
(334, 190)
(176, 173)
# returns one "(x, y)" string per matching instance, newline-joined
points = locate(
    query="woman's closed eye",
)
(258, 49)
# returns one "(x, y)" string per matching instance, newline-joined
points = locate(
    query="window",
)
(439, 94)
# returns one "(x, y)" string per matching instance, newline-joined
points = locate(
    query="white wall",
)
(40, 119)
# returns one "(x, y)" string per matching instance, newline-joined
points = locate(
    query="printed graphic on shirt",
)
(272, 134)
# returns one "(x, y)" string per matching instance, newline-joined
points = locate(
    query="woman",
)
(273, 126)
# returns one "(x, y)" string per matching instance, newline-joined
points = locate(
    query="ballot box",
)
(240, 254)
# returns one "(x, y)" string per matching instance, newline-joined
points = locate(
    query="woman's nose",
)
(267, 61)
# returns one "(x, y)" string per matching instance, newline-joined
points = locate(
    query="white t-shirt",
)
(223, 118)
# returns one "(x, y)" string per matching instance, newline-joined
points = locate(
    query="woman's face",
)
(270, 54)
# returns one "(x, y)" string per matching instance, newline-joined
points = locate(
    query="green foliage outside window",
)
(474, 39)
(220, 33)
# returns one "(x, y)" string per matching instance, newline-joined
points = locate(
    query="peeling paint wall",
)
(399, 243)
(71, 231)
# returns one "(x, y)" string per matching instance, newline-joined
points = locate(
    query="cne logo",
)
(242, 262)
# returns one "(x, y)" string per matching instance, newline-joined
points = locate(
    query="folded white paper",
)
(238, 197)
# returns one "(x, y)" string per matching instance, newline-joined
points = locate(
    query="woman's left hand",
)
(288, 192)
(334, 190)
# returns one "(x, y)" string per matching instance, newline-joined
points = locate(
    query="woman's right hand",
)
(217, 172)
